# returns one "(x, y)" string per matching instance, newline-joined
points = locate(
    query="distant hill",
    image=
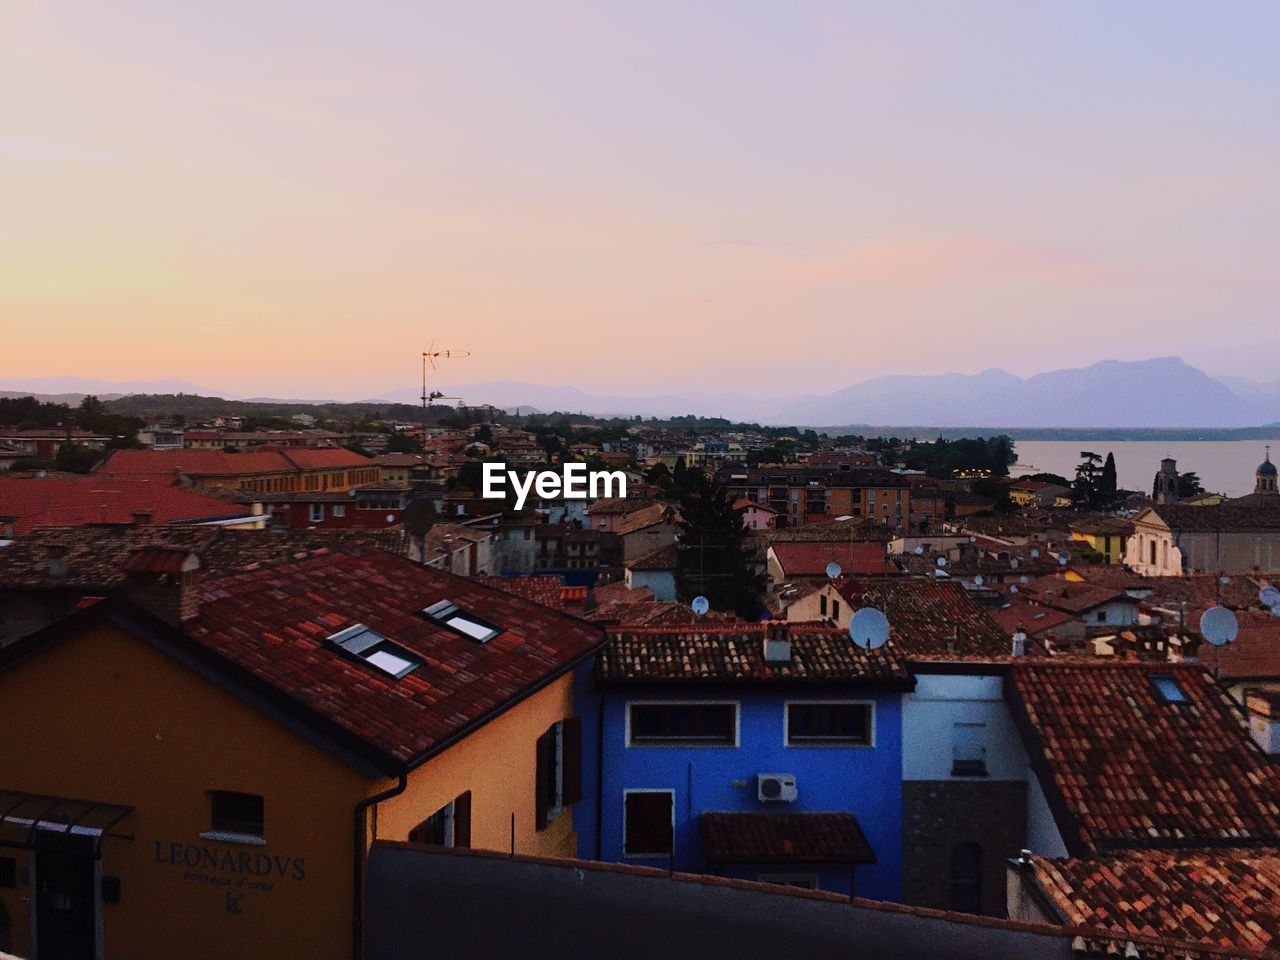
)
(1163, 393)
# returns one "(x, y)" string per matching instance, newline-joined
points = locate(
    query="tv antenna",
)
(429, 358)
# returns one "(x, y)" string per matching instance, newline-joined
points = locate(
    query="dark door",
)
(66, 920)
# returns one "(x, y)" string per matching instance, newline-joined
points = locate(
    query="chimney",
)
(161, 580)
(1263, 707)
(1020, 642)
(142, 518)
(57, 563)
(777, 644)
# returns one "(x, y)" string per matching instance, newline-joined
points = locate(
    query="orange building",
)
(198, 768)
(268, 470)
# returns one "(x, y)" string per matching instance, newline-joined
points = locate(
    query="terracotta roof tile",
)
(810, 558)
(1123, 768)
(930, 619)
(784, 838)
(735, 652)
(80, 501)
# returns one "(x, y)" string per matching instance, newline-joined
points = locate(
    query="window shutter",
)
(571, 750)
(462, 820)
(543, 774)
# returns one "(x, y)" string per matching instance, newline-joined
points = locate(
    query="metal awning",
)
(26, 817)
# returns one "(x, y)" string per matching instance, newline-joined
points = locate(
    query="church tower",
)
(1166, 485)
(1265, 481)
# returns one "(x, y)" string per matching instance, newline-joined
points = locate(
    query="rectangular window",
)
(339, 510)
(376, 650)
(448, 614)
(558, 771)
(8, 872)
(829, 724)
(1102, 616)
(647, 823)
(835, 609)
(684, 724)
(236, 815)
(315, 512)
(822, 604)
(969, 750)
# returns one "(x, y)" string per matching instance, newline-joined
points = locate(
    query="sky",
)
(295, 199)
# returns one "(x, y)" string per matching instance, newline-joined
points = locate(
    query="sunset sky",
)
(293, 199)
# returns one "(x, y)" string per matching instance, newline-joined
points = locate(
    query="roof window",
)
(449, 614)
(376, 650)
(1168, 689)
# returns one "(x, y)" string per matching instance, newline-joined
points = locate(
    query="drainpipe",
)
(357, 873)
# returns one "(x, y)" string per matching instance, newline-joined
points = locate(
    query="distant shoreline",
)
(1269, 432)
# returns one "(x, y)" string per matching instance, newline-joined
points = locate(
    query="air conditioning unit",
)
(776, 787)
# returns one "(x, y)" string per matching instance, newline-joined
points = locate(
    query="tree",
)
(713, 559)
(1088, 473)
(75, 459)
(1107, 481)
(402, 443)
(1049, 478)
(1189, 485)
(659, 476)
(993, 489)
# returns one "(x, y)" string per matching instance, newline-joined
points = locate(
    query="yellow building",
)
(197, 769)
(1104, 535)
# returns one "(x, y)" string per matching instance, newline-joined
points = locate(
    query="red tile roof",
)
(1029, 617)
(80, 501)
(810, 558)
(1069, 595)
(545, 589)
(1253, 655)
(784, 838)
(274, 623)
(664, 558)
(1122, 768)
(1227, 897)
(216, 463)
(653, 514)
(930, 619)
(735, 652)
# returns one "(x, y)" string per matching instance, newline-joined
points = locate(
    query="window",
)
(969, 750)
(835, 609)
(1102, 616)
(966, 878)
(803, 881)
(315, 512)
(8, 872)
(1168, 689)
(822, 604)
(558, 773)
(235, 816)
(1153, 552)
(339, 509)
(683, 724)
(829, 724)
(450, 826)
(448, 614)
(647, 823)
(376, 650)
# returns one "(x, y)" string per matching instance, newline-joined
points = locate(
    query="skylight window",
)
(1168, 689)
(376, 650)
(448, 614)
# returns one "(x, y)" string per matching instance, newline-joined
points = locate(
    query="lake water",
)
(1224, 466)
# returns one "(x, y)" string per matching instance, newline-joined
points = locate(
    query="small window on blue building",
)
(836, 724)
(684, 724)
(647, 827)
(969, 750)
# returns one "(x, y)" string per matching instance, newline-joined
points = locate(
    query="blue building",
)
(749, 751)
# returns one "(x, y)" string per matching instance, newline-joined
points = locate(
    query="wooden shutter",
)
(571, 752)
(544, 774)
(462, 820)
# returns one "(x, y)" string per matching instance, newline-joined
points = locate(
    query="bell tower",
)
(1265, 478)
(1166, 485)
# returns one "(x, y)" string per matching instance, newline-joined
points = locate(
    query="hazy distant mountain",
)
(1164, 392)
(1159, 393)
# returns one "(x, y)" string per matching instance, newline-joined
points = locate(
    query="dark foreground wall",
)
(428, 903)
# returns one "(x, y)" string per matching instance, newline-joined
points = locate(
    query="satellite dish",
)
(833, 570)
(700, 605)
(1013, 589)
(942, 561)
(1023, 578)
(1275, 611)
(919, 550)
(869, 628)
(978, 580)
(1224, 580)
(973, 539)
(1219, 626)
(1270, 596)
(1035, 554)
(1062, 560)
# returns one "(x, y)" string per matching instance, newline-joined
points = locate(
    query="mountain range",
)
(1164, 392)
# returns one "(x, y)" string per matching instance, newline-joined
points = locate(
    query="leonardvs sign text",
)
(574, 482)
